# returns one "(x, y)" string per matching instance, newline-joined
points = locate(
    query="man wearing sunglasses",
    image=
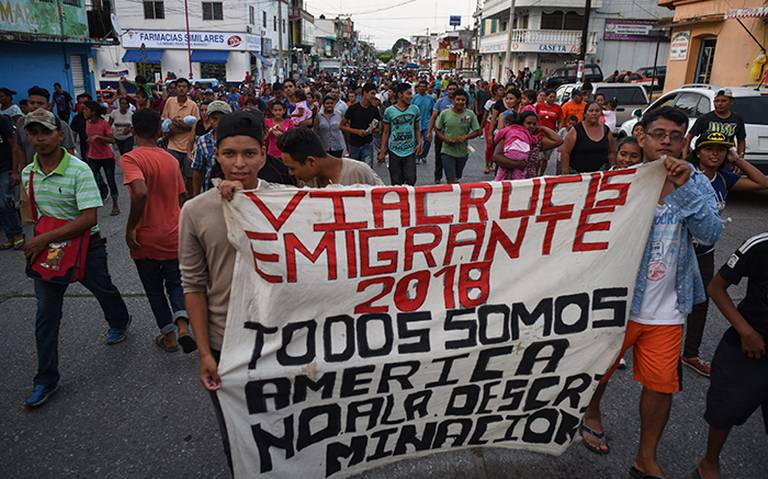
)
(667, 286)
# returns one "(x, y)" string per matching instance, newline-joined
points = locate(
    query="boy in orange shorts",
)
(667, 285)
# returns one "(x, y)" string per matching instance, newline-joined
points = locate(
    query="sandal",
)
(161, 344)
(115, 212)
(597, 435)
(635, 473)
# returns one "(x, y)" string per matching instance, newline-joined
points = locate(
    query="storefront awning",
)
(142, 56)
(210, 56)
(264, 61)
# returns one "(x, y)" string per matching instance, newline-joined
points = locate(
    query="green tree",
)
(385, 56)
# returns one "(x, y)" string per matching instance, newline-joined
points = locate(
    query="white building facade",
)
(547, 34)
(227, 39)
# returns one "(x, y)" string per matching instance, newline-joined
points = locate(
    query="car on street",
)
(567, 74)
(661, 75)
(629, 96)
(697, 99)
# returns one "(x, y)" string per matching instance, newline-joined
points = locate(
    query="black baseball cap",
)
(240, 123)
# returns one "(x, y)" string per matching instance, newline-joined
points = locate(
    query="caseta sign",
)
(169, 39)
(367, 325)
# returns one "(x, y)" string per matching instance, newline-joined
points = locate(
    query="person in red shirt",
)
(156, 188)
(550, 115)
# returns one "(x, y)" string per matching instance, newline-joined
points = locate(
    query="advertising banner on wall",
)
(170, 39)
(678, 47)
(622, 29)
(368, 325)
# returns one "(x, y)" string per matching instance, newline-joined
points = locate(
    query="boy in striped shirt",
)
(64, 188)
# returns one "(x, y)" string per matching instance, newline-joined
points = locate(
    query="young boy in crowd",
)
(739, 381)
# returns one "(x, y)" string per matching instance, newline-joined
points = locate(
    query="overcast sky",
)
(385, 26)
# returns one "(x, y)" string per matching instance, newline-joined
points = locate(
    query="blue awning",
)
(210, 56)
(142, 56)
(264, 61)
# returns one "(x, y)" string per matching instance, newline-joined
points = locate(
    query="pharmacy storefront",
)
(225, 56)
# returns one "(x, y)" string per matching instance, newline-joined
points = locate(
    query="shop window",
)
(148, 70)
(264, 19)
(706, 60)
(251, 15)
(274, 23)
(213, 11)
(521, 22)
(559, 20)
(213, 70)
(154, 10)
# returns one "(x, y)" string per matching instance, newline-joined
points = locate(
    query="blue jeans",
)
(9, 218)
(424, 144)
(453, 166)
(154, 274)
(50, 297)
(362, 153)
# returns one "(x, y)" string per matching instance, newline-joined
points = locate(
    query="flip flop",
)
(161, 344)
(635, 473)
(597, 435)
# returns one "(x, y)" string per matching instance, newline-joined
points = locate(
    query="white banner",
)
(367, 325)
(174, 39)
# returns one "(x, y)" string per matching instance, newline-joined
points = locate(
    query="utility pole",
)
(280, 38)
(584, 36)
(508, 56)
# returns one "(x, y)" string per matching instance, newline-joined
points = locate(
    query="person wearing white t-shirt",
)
(121, 121)
(668, 283)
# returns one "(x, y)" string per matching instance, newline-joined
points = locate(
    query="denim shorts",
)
(453, 166)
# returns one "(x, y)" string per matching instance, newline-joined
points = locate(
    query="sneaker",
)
(39, 395)
(622, 364)
(117, 335)
(698, 365)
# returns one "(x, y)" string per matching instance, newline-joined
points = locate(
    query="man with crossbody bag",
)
(67, 246)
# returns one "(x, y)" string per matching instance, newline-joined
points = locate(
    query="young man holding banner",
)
(668, 284)
(207, 259)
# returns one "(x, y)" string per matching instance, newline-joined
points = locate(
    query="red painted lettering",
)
(339, 212)
(327, 245)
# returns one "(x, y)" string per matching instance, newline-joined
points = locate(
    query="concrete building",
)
(547, 33)
(325, 38)
(51, 39)
(708, 45)
(227, 39)
(302, 38)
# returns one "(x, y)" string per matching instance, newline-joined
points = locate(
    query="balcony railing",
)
(538, 41)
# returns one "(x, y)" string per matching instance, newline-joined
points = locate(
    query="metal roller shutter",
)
(78, 76)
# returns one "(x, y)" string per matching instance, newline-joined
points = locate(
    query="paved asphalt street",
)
(132, 411)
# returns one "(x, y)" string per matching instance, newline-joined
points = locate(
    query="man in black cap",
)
(206, 257)
(7, 107)
(721, 120)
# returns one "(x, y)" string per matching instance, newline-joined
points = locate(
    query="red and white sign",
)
(372, 324)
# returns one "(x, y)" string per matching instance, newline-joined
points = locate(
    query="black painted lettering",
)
(330, 336)
(350, 380)
(580, 301)
(468, 325)
(265, 441)
(257, 393)
(531, 356)
(363, 340)
(404, 320)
